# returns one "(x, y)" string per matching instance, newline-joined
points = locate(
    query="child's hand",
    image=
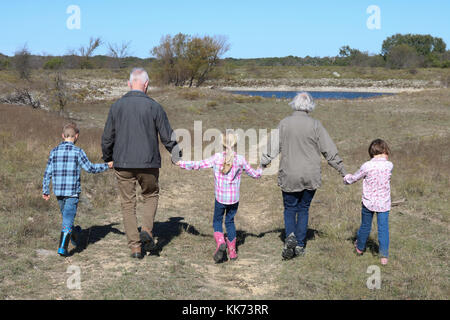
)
(345, 179)
(177, 163)
(111, 164)
(46, 197)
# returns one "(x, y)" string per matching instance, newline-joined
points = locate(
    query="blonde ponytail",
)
(228, 142)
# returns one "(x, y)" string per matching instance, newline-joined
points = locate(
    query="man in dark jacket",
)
(130, 139)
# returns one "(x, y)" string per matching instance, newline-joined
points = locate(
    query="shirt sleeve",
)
(197, 165)
(273, 147)
(108, 138)
(89, 166)
(47, 176)
(254, 173)
(329, 150)
(167, 135)
(352, 178)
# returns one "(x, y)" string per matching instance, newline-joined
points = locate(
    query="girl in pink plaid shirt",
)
(376, 197)
(228, 167)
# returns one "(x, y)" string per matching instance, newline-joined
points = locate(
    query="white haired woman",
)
(301, 141)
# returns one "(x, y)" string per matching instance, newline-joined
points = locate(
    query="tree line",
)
(185, 60)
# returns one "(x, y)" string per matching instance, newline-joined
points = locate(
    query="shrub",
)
(445, 81)
(403, 56)
(212, 104)
(190, 95)
(54, 63)
(4, 63)
(423, 44)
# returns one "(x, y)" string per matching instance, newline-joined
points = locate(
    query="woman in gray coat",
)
(301, 142)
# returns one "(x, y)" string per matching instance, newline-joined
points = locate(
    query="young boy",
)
(64, 168)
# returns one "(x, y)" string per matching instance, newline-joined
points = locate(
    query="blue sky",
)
(254, 28)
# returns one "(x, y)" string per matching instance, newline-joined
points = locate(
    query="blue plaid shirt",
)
(64, 168)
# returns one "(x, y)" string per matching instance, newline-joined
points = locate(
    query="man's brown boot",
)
(136, 253)
(148, 243)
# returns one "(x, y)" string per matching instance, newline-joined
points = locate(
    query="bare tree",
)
(22, 63)
(59, 92)
(118, 52)
(87, 52)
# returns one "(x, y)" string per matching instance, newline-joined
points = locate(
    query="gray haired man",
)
(130, 139)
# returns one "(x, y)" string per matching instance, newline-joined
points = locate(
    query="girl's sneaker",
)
(358, 252)
(384, 261)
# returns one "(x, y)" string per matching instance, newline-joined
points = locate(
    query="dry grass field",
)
(416, 125)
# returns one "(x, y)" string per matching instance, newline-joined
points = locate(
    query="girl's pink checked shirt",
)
(226, 186)
(376, 184)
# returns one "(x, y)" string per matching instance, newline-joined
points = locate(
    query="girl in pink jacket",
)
(376, 197)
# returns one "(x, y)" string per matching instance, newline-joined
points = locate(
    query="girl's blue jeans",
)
(68, 206)
(366, 226)
(229, 210)
(296, 213)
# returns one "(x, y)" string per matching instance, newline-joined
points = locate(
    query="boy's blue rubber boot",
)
(64, 243)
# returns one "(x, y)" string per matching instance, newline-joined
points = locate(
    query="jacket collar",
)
(300, 113)
(135, 93)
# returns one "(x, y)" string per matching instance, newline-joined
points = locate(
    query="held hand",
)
(46, 197)
(177, 163)
(111, 164)
(345, 179)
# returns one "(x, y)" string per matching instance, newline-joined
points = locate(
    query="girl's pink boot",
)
(221, 246)
(232, 249)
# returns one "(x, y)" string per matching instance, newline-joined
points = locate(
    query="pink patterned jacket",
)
(376, 184)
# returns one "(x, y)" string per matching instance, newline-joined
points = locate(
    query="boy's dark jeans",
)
(229, 210)
(68, 206)
(296, 213)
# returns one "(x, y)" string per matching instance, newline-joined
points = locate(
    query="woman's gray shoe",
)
(299, 251)
(289, 244)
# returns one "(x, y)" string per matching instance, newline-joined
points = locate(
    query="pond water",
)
(314, 94)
